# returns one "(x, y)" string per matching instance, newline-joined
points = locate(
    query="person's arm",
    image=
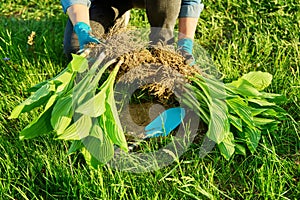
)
(68, 3)
(78, 12)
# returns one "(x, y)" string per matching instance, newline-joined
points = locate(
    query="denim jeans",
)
(162, 15)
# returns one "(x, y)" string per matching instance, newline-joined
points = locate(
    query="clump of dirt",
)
(159, 69)
(159, 55)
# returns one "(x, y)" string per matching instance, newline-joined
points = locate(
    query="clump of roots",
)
(158, 69)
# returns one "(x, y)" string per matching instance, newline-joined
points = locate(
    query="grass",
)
(240, 37)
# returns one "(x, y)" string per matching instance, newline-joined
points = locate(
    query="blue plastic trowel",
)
(166, 122)
(163, 124)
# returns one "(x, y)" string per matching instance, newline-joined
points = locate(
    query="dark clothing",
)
(162, 15)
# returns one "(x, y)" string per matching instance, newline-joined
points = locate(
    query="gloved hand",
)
(83, 30)
(185, 47)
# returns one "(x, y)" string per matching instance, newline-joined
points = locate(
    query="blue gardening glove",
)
(185, 47)
(83, 30)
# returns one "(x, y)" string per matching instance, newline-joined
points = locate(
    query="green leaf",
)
(218, 128)
(214, 87)
(37, 86)
(261, 102)
(252, 136)
(75, 146)
(62, 114)
(262, 121)
(276, 98)
(257, 111)
(240, 149)
(111, 120)
(112, 126)
(81, 89)
(203, 86)
(196, 107)
(270, 113)
(276, 112)
(195, 99)
(78, 130)
(66, 80)
(95, 106)
(212, 92)
(63, 80)
(227, 146)
(236, 122)
(99, 145)
(91, 160)
(240, 108)
(97, 131)
(51, 101)
(114, 131)
(103, 105)
(269, 127)
(84, 91)
(78, 63)
(41, 125)
(40, 97)
(244, 88)
(260, 80)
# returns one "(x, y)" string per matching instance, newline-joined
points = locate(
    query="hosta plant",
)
(79, 104)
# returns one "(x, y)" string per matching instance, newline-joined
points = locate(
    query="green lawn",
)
(240, 37)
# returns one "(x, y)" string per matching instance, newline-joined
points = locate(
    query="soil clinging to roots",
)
(157, 68)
